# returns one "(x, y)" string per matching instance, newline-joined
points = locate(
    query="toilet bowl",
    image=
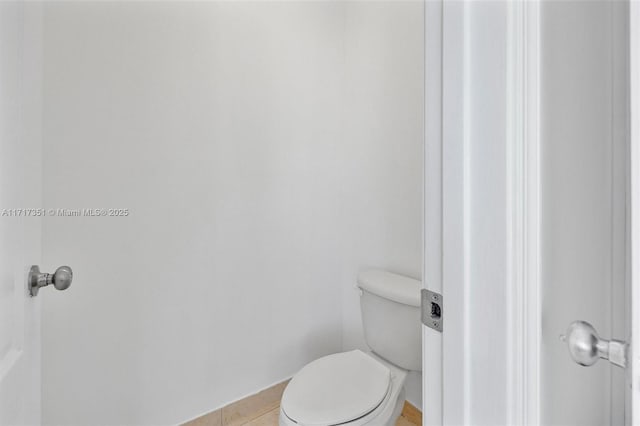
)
(363, 388)
(353, 388)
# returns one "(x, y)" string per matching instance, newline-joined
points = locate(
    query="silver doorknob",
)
(61, 279)
(586, 347)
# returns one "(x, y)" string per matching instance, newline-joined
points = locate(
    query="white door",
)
(532, 213)
(585, 221)
(20, 188)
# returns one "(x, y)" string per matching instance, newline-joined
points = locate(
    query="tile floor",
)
(262, 409)
(271, 419)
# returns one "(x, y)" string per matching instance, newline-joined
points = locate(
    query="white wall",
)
(233, 133)
(384, 54)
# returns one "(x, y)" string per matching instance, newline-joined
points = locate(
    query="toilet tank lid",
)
(395, 287)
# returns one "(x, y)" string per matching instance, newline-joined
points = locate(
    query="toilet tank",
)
(390, 305)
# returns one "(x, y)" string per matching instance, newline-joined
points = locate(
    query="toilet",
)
(363, 388)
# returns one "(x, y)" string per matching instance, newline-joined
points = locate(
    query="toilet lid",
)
(336, 389)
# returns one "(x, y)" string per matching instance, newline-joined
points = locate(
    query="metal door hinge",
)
(432, 309)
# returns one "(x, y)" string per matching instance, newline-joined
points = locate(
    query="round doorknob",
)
(62, 278)
(583, 343)
(586, 347)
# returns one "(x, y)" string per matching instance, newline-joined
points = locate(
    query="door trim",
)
(523, 206)
(447, 367)
(432, 207)
(446, 389)
(634, 117)
(446, 208)
(530, 286)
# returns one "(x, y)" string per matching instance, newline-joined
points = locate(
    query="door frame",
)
(634, 117)
(448, 86)
(527, 243)
(447, 369)
(432, 207)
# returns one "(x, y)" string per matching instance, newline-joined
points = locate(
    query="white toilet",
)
(356, 388)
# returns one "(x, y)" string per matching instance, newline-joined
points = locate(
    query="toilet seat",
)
(336, 389)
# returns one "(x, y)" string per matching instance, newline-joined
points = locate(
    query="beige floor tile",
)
(211, 419)
(263, 408)
(412, 414)
(251, 408)
(269, 419)
(403, 421)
